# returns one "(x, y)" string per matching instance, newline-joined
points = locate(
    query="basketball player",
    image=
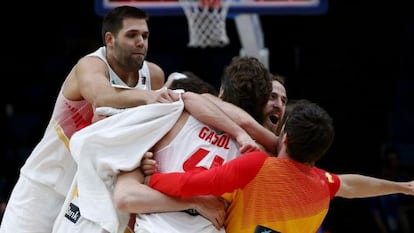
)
(214, 148)
(283, 194)
(48, 172)
(210, 149)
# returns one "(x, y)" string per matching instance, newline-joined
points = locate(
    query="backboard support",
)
(244, 12)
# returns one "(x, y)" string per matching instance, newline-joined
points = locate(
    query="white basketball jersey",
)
(144, 81)
(196, 146)
(71, 220)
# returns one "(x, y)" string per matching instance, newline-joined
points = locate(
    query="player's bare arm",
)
(252, 127)
(157, 76)
(360, 186)
(89, 80)
(132, 196)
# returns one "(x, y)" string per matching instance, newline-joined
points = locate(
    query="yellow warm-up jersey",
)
(284, 196)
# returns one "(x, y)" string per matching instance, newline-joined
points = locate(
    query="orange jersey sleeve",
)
(332, 180)
(216, 181)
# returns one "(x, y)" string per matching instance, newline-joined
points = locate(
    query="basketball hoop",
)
(206, 22)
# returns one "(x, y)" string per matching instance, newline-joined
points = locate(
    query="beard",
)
(131, 64)
(128, 60)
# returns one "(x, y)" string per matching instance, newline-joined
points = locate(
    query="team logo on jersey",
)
(73, 213)
(329, 177)
(262, 229)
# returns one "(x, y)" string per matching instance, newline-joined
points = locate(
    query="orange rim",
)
(210, 3)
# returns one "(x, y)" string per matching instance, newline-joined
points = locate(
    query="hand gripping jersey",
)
(102, 150)
(271, 194)
(196, 147)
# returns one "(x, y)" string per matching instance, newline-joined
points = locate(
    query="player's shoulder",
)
(157, 75)
(90, 63)
(152, 65)
(155, 69)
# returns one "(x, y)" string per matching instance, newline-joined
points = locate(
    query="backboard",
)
(261, 7)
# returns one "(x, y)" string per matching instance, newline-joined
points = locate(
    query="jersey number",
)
(197, 156)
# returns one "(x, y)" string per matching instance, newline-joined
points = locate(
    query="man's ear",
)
(221, 92)
(109, 38)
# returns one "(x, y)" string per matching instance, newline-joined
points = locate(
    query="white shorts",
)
(175, 222)
(32, 208)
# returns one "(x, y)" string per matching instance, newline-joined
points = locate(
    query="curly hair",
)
(247, 83)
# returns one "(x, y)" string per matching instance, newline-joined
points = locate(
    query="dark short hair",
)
(112, 21)
(277, 77)
(310, 131)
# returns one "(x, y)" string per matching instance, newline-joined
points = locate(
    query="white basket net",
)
(206, 22)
